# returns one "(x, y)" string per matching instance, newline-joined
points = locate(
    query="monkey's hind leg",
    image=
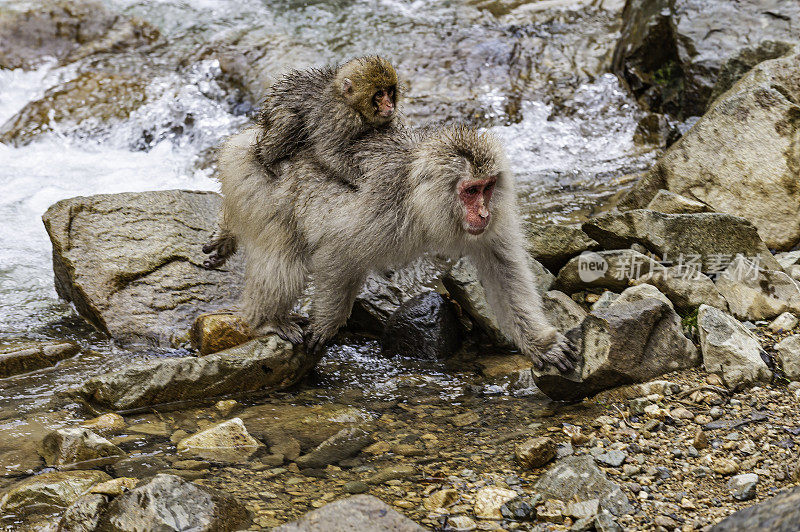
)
(273, 283)
(219, 247)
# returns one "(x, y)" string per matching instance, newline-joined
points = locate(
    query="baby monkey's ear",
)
(347, 86)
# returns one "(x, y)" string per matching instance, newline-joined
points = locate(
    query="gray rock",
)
(344, 444)
(132, 263)
(785, 322)
(23, 356)
(788, 356)
(743, 487)
(638, 293)
(359, 512)
(612, 270)
(226, 442)
(704, 237)
(263, 363)
(168, 503)
(751, 123)
(623, 344)
(577, 478)
(687, 290)
(561, 311)
(425, 326)
(776, 514)
(84, 514)
(613, 458)
(383, 293)
(605, 300)
(730, 349)
(78, 448)
(672, 53)
(754, 293)
(788, 259)
(671, 203)
(48, 492)
(554, 245)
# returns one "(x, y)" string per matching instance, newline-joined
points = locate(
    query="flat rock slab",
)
(777, 514)
(359, 512)
(266, 363)
(132, 263)
(23, 356)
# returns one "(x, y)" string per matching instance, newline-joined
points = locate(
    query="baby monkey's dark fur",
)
(325, 110)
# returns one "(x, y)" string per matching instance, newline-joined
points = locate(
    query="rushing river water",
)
(569, 137)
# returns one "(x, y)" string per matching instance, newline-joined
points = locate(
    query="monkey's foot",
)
(218, 250)
(562, 354)
(291, 331)
(316, 341)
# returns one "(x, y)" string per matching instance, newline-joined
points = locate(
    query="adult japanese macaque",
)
(324, 110)
(449, 192)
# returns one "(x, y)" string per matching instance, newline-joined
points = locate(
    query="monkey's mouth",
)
(477, 229)
(386, 113)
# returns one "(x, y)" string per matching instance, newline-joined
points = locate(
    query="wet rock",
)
(623, 344)
(785, 322)
(561, 311)
(638, 293)
(84, 514)
(355, 487)
(612, 458)
(383, 293)
(51, 29)
(754, 293)
(19, 462)
(743, 487)
(308, 426)
(553, 245)
(90, 103)
(686, 289)
(359, 512)
(777, 514)
(140, 466)
(440, 499)
(462, 523)
(344, 444)
(673, 53)
(464, 287)
(218, 331)
(788, 356)
(494, 366)
(755, 121)
(105, 424)
(489, 500)
(612, 270)
(730, 349)
(671, 203)
(132, 263)
(151, 428)
(168, 502)
(552, 511)
(577, 478)
(702, 238)
(520, 509)
(23, 356)
(78, 448)
(115, 486)
(392, 473)
(227, 407)
(425, 326)
(49, 492)
(535, 452)
(263, 363)
(228, 441)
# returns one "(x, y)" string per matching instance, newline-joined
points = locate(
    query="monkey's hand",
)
(561, 353)
(317, 339)
(218, 249)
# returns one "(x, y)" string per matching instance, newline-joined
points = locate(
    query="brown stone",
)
(218, 331)
(536, 452)
(23, 356)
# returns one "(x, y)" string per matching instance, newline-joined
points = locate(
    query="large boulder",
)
(561, 311)
(686, 289)
(756, 293)
(132, 263)
(702, 237)
(78, 448)
(554, 245)
(359, 512)
(577, 478)
(267, 363)
(741, 157)
(622, 344)
(673, 53)
(730, 349)
(612, 270)
(425, 326)
(170, 503)
(48, 492)
(22, 356)
(776, 514)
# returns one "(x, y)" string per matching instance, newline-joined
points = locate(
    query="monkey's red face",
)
(384, 102)
(476, 196)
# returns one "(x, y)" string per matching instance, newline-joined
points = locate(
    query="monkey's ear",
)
(347, 86)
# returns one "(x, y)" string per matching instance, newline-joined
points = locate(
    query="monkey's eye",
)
(471, 191)
(390, 92)
(490, 186)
